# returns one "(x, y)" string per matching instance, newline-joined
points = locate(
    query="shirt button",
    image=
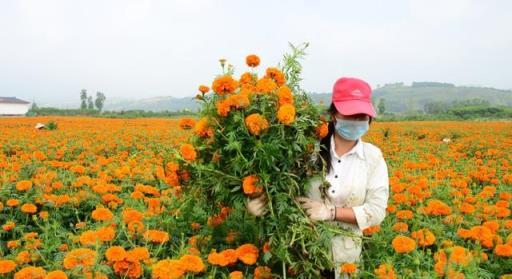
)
(339, 161)
(332, 191)
(336, 176)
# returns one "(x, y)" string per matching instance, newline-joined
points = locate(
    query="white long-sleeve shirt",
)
(359, 179)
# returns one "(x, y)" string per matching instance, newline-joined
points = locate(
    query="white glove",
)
(258, 206)
(317, 211)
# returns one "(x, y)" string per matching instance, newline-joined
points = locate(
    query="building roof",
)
(12, 100)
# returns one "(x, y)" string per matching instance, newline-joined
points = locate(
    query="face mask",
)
(351, 129)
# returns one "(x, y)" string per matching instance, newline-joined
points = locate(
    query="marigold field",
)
(101, 198)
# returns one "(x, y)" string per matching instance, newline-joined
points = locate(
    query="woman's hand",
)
(317, 211)
(258, 205)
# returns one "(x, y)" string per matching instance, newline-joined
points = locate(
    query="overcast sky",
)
(50, 49)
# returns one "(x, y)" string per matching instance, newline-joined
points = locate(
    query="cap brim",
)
(352, 107)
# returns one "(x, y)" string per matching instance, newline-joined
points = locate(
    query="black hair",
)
(325, 143)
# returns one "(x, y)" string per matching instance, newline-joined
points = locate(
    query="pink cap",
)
(352, 96)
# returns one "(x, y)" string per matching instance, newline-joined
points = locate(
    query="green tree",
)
(100, 100)
(83, 98)
(90, 104)
(381, 106)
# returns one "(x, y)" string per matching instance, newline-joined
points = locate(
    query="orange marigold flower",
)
(8, 226)
(239, 101)
(404, 214)
(7, 266)
(115, 254)
(348, 268)
(286, 114)
(247, 253)
(424, 237)
(385, 271)
(202, 128)
(128, 269)
(276, 75)
(250, 186)
(192, 263)
(223, 107)
(285, 95)
(247, 78)
(204, 89)
(29, 208)
(322, 130)
(24, 185)
(187, 123)
(256, 123)
(80, 257)
(262, 272)
(56, 274)
(30, 272)
(236, 275)
(138, 254)
(437, 208)
(167, 269)
(266, 85)
(102, 214)
(252, 60)
(106, 233)
(224, 258)
(403, 244)
(503, 250)
(156, 236)
(130, 214)
(371, 230)
(224, 85)
(187, 152)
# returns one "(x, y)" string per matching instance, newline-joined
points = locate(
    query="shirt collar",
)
(357, 149)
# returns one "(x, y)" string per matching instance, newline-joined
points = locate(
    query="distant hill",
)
(401, 98)
(398, 98)
(153, 104)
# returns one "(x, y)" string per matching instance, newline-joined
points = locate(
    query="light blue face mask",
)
(351, 129)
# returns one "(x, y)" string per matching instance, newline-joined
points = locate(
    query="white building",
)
(13, 106)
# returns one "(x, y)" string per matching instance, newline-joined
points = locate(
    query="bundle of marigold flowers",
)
(256, 136)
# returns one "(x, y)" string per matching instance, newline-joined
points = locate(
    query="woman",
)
(358, 176)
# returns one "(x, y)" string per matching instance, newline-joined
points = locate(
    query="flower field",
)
(102, 198)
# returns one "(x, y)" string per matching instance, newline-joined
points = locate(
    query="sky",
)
(50, 49)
